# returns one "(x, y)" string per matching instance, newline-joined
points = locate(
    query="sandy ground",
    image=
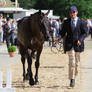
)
(53, 74)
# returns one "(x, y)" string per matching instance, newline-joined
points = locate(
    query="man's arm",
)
(84, 30)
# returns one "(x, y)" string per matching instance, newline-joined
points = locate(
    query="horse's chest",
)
(36, 43)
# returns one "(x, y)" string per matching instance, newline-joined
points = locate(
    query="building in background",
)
(11, 7)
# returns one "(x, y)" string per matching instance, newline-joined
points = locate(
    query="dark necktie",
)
(73, 24)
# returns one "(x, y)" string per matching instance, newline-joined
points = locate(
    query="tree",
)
(13, 0)
(60, 7)
(41, 4)
(26, 4)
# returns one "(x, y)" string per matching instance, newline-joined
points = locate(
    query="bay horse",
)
(32, 31)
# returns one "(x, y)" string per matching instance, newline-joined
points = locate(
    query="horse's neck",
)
(36, 29)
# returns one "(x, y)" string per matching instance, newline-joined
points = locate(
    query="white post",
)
(4, 2)
(1, 80)
(8, 82)
(16, 3)
(9, 79)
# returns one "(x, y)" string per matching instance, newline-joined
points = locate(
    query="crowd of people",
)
(8, 28)
(55, 27)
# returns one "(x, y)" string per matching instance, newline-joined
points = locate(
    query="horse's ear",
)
(47, 12)
(39, 11)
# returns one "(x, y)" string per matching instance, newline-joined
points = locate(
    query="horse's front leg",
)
(37, 64)
(29, 59)
(23, 63)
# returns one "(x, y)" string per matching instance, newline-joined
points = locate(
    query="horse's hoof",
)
(36, 82)
(31, 82)
(24, 79)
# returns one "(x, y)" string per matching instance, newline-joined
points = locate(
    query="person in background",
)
(7, 30)
(4, 33)
(75, 30)
(89, 26)
(13, 29)
(57, 28)
(1, 29)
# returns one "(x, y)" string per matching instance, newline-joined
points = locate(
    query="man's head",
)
(8, 18)
(73, 11)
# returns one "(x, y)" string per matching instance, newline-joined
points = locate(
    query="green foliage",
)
(26, 4)
(60, 7)
(11, 48)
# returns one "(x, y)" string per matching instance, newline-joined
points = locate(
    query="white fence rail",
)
(8, 87)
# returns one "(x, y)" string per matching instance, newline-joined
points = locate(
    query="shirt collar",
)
(76, 18)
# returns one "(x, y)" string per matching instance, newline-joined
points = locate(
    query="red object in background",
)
(1, 4)
(11, 54)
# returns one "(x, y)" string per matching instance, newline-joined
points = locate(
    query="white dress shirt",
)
(74, 21)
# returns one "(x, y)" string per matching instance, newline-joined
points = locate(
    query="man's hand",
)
(79, 43)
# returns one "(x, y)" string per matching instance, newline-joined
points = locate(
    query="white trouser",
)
(74, 59)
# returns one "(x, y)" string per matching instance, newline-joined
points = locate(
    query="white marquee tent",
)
(20, 12)
(11, 10)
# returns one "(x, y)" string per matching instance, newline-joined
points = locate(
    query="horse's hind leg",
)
(29, 60)
(37, 64)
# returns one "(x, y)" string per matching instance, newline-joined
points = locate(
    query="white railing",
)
(8, 87)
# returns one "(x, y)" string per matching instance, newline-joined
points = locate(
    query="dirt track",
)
(53, 74)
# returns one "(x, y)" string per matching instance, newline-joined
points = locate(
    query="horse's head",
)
(42, 21)
(45, 23)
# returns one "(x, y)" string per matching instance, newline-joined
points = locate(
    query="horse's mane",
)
(29, 28)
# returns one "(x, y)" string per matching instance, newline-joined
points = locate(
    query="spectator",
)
(89, 27)
(7, 29)
(1, 29)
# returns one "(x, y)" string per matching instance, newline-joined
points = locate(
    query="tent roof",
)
(11, 10)
(54, 17)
